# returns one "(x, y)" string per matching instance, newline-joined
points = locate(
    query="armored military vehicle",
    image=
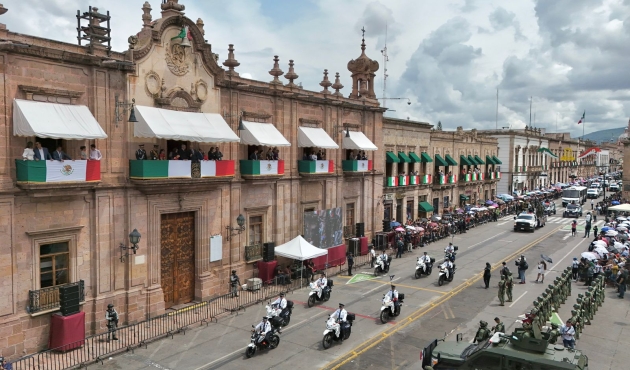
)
(519, 351)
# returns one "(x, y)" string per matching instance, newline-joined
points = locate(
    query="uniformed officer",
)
(575, 320)
(509, 284)
(554, 333)
(588, 304)
(579, 324)
(499, 327)
(482, 333)
(501, 292)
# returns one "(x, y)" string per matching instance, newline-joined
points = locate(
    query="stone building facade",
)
(169, 66)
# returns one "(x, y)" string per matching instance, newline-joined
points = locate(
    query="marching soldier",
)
(554, 333)
(579, 324)
(589, 305)
(483, 333)
(575, 319)
(501, 293)
(540, 306)
(509, 284)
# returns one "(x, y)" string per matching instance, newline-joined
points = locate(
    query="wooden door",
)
(178, 258)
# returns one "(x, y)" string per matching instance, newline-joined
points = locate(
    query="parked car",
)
(572, 210)
(614, 187)
(550, 208)
(592, 193)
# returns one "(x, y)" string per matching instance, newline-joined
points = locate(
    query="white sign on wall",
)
(216, 248)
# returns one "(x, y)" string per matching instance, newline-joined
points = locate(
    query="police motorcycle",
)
(277, 317)
(388, 308)
(445, 274)
(312, 296)
(258, 342)
(333, 330)
(423, 268)
(451, 255)
(380, 266)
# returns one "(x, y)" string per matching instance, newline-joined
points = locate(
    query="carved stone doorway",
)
(178, 257)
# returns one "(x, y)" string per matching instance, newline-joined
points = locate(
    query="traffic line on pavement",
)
(568, 253)
(372, 342)
(521, 296)
(483, 241)
(410, 287)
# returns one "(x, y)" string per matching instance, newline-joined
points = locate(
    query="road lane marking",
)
(483, 241)
(571, 251)
(410, 287)
(372, 342)
(513, 303)
(566, 237)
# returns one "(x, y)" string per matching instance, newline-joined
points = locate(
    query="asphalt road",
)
(429, 311)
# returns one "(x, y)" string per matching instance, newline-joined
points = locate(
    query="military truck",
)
(519, 351)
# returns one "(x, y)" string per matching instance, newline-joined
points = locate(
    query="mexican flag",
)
(442, 179)
(56, 171)
(426, 179)
(403, 180)
(145, 170)
(392, 181)
(583, 117)
(217, 168)
(466, 177)
(413, 180)
(357, 166)
(324, 166)
(268, 168)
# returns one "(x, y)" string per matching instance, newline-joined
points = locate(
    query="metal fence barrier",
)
(98, 347)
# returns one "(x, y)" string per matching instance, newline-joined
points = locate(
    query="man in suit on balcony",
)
(59, 155)
(40, 153)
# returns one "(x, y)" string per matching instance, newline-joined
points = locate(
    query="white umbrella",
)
(622, 228)
(590, 256)
(611, 233)
(418, 228)
(599, 242)
(601, 251)
(410, 227)
(621, 218)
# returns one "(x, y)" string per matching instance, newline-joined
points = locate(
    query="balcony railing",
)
(253, 252)
(356, 166)
(152, 170)
(314, 167)
(46, 299)
(78, 171)
(425, 179)
(444, 179)
(262, 168)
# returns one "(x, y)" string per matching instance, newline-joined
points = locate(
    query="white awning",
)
(257, 133)
(357, 140)
(315, 137)
(55, 121)
(299, 249)
(185, 126)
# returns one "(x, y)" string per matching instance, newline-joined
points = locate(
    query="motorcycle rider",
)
(340, 315)
(449, 267)
(393, 296)
(264, 328)
(450, 250)
(280, 304)
(385, 260)
(426, 260)
(320, 284)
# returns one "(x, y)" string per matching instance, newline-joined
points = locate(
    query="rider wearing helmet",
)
(264, 328)
(340, 315)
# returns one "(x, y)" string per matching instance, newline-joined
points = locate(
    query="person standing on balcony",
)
(112, 322)
(217, 153)
(141, 154)
(254, 156)
(29, 153)
(153, 155)
(95, 154)
(83, 153)
(41, 154)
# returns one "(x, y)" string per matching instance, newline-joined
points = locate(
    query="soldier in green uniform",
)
(578, 320)
(499, 327)
(528, 333)
(509, 284)
(588, 305)
(482, 333)
(501, 293)
(545, 305)
(538, 303)
(554, 333)
(583, 315)
(554, 297)
(568, 280)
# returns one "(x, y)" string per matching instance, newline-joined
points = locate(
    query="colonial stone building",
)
(567, 164)
(60, 232)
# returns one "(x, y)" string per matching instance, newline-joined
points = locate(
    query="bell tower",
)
(363, 72)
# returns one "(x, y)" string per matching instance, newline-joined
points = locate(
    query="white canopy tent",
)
(299, 249)
(315, 137)
(186, 126)
(55, 121)
(257, 133)
(357, 140)
(622, 207)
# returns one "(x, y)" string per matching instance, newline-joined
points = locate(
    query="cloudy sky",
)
(447, 57)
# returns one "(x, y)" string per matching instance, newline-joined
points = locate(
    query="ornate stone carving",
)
(200, 26)
(363, 69)
(276, 71)
(291, 75)
(146, 16)
(152, 84)
(337, 85)
(231, 62)
(178, 102)
(201, 90)
(176, 59)
(325, 83)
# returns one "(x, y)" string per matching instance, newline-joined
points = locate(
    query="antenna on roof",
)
(385, 60)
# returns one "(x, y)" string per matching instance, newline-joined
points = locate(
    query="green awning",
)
(450, 160)
(479, 160)
(464, 197)
(391, 157)
(426, 158)
(440, 161)
(425, 207)
(489, 160)
(414, 158)
(496, 160)
(403, 157)
(472, 160)
(464, 160)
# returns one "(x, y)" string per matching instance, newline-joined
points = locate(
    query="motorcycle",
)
(451, 255)
(380, 266)
(257, 344)
(312, 296)
(424, 268)
(333, 330)
(279, 318)
(444, 274)
(388, 309)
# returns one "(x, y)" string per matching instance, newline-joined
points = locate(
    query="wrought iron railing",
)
(48, 298)
(253, 252)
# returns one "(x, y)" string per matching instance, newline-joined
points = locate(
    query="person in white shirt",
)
(568, 335)
(264, 328)
(29, 153)
(450, 248)
(320, 284)
(340, 315)
(373, 257)
(95, 154)
(425, 258)
(393, 295)
(279, 304)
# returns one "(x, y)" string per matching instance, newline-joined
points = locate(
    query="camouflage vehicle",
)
(518, 351)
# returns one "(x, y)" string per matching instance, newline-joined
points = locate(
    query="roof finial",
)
(363, 40)
(337, 85)
(276, 71)
(291, 75)
(325, 83)
(231, 62)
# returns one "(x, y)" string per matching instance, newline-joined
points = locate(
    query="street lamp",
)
(134, 239)
(233, 231)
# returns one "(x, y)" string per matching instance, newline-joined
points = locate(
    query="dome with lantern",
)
(625, 136)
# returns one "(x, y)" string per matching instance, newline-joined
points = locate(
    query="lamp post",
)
(233, 231)
(134, 239)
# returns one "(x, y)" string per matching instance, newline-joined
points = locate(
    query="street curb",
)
(370, 343)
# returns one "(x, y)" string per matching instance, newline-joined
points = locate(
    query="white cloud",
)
(448, 56)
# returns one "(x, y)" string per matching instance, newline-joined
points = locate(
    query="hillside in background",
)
(605, 135)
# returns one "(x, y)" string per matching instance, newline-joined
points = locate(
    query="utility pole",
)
(496, 122)
(531, 99)
(385, 60)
